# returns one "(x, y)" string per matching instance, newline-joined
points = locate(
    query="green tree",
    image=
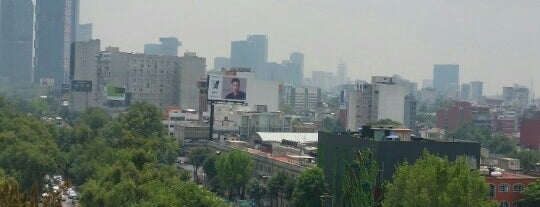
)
(256, 190)
(501, 144)
(527, 158)
(308, 189)
(95, 118)
(196, 157)
(361, 180)
(276, 187)
(209, 167)
(531, 195)
(435, 181)
(329, 124)
(286, 108)
(143, 119)
(234, 169)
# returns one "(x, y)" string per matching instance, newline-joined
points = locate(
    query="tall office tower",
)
(476, 90)
(295, 68)
(16, 36)
(465, 92)
(56, 24)
(362, 106)
(251, 53)
(84, 70)
(222, 62)
(341, 73)
(446, 79)
(168, 46)
(84, 32)
(322, 79)
(192, 69)
(517, 96)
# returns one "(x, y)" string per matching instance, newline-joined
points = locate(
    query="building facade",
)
(84, 68)
(193, 68)
(16, 38)
(168, 46)
(462, 112)
(251, 53)
(336, 152)
(507, 188)
(446, 79)
(55, 29)
(84, 32)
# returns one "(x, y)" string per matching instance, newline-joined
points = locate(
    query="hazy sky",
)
(494, 41)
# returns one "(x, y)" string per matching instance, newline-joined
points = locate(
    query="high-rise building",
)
(16, 36)
(476, 90)
(446, 79)
(322, 79)
(168, 46)
(251, 53)
(83, 69)
(517, 96)
(295, 68)
(193, 68)
(222, 62)
(465, 92)
(56, 25)
(341, 73)
(84, 32)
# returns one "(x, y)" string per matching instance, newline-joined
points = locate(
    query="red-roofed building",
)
(508, 188)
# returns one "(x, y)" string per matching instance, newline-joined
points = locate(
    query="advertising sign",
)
(81, 85)
(227, 88)
(116, 93)
(46, 82)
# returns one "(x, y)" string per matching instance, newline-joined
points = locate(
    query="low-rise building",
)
(507, 188)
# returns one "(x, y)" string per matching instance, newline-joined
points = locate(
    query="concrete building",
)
(84, 32)
(465, 94)
(55, 29)
(462, 112)
(362, 106)
(193, 68)
(516, 96)
(337, 151)
(168, 46)
(507, 188)
(446, 79)
(391, 101)
(251, 123)
(295, 68)
(84, 68)
(251, 53)
(477, 88)
(16, 37)
(529, 134)
(222, 62)
(154, 79)
(341, 73)
(304, 100)
(322, 79)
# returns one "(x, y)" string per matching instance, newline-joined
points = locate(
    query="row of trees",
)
(496, 143)
(122, 161)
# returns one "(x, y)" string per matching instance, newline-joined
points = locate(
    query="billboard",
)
(227, 88)
(81, 85)
(115, 93)
(46, 82)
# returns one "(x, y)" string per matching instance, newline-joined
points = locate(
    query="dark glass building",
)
(56, 26)
(16, 36)
(336, 153)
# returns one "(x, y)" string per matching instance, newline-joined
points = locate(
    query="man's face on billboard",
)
(235, 87)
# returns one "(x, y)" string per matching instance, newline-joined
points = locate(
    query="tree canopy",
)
(531, 195)
(234, 169)
(309, 188)
(435, 181)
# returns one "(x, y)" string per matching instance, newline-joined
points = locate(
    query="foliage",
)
(329, 124)
(234, 169)
(10, 194)
(435, 181)
(308, 188)
(197, 157)
(286, 108)
(95, 118)
(209, 167)
(276, 186)
(27, 150)
(143, 119)
(360, 180)
(527, 158)
(429, 118)
(256, 189)
(497, 143)
(296, 122)
(385, 122)
(531, 195)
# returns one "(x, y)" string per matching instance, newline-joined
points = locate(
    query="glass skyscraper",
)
(56, 26)
(16, 36)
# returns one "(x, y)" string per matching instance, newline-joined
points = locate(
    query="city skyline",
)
(492, 41)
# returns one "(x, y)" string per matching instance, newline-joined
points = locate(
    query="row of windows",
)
(505, 204)
(503, 187)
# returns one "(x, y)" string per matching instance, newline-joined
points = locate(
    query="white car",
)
(72, 194)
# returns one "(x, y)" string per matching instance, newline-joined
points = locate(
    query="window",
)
(491, 190)
(515, 204)
(504, 204)
(504, 188)
(518, 187)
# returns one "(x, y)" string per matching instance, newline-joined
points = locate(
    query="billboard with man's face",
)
(227, 88)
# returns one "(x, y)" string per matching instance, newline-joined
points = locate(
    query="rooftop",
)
(509, 175)
(295, 137)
